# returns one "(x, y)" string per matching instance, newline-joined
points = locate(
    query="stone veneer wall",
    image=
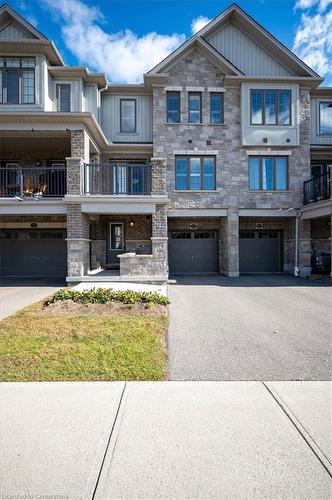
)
(232, 161)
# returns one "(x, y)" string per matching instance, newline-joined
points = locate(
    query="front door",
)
(115, 243)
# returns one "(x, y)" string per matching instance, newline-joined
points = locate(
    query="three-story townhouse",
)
(199, 169)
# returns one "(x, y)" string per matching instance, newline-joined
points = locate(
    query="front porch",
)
(117, 247)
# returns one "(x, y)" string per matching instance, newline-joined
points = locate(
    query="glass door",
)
(116, 243)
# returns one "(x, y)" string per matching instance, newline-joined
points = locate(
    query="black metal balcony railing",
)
(317, 189)
(117, 179)
(33, 182)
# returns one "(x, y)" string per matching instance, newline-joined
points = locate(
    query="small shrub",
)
(106, 295)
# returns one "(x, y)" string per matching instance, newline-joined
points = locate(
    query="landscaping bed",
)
(95, 335)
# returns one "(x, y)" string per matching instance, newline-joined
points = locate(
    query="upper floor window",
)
(17, 80)
(325, 117)
(319, 167)
(268, 173)
(195, 173)
(173, 107)
(63, 91)
(128, 115)
(194, 107)
(270, 107)
(216, 108)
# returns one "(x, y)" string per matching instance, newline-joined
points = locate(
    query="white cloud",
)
(308, 4)
(313, 38)
(124, 56)
(199, 23)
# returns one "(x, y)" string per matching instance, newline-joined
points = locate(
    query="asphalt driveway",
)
(249, 328)
(16, 294)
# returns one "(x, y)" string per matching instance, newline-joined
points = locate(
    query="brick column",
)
(159, 240)
(78, 241)
(158, 176)
(304, 249)
(79, 153)
(229, 244)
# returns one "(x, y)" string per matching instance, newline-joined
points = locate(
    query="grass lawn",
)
(37, 346)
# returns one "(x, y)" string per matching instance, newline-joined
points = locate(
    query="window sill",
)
(127, 133)
(273, 191)
(195, 191)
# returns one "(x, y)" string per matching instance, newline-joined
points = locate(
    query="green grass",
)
(35, 346)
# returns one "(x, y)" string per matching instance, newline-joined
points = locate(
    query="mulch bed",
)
(71, 308)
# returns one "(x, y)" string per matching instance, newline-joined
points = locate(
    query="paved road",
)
(14, 295)
(250, 328)
(174, 440)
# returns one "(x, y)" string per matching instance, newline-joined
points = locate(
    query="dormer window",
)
(17, 80)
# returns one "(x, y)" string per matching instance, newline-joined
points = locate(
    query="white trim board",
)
(245, 212)
(268, 152)
(118, 208)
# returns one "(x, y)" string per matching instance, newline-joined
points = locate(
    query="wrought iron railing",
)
(117, 179)
(33, 182)
(317, 189)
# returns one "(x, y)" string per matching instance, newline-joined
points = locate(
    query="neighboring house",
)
(218, 162)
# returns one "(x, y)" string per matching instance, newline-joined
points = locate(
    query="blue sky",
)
(125, 38)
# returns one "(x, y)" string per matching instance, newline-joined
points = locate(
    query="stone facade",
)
(232, 191)
(78, 241)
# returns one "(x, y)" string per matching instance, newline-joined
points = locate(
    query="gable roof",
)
(196, 42)
(19, 36)
(9, 16)
(261, 36)
(250, 27)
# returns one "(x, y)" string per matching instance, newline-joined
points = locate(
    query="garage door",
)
(33, 253)
(192, 252)
(260, 252)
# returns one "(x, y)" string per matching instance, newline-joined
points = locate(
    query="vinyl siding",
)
(90, 99)
(13, 32)
(244, 53)
(110, 118)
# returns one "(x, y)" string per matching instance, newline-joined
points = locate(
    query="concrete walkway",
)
(249, 328)
(174, 440)
(16, 294)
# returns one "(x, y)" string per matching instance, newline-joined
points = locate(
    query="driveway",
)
(16, 294)
(249, 328)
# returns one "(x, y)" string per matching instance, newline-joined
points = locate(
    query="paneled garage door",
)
(193, 252)
(260, 252)
(33, 253)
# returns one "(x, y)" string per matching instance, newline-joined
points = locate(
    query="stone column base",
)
(78, 256)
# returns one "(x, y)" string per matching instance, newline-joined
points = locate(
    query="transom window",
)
(270, 107)
(194, 107)
(195, 173)
(63, 91)
(216, 108)
(173, 107)
(268, 173)
(325, 117)
(17, 80)
(128, 115)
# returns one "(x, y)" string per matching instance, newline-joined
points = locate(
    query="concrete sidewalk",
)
(211, 440)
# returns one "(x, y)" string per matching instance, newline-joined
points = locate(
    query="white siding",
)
(13, 32)
(110, 118)
(244, 53)
(316, 138)
(76, 93)
(90, 99)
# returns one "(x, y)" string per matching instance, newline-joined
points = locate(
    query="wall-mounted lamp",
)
(131, 223)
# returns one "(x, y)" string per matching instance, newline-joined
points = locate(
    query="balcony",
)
(317, 189)
(32, 182)
(128, 179)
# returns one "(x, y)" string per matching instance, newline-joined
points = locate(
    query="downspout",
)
(296, 260)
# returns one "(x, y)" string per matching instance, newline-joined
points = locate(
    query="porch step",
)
(122, 279)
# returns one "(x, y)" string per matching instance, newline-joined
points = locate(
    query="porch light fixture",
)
(131, 223)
